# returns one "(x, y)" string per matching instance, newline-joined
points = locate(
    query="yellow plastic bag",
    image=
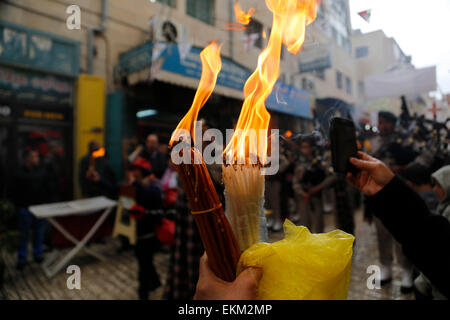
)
(302, 266)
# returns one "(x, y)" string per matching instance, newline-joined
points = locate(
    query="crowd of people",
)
(304, 189)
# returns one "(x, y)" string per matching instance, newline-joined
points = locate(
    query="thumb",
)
(248, 281)
(363, 164)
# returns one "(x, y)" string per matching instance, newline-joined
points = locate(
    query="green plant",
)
(8, 229)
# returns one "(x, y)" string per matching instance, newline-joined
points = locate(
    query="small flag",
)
(365, 15)
(184, 48)
(249, 40)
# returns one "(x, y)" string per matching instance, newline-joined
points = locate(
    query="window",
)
(362, 52)
(171, 3)
(348, 85)
(334, 33)
(361, 90)
(305, 84)
(339, 79)
(202, 10)
(256, 27)
(320, 73)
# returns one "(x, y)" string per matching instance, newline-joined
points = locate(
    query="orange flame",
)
(290, 18)
(230, 26)
(211, 65)
(242, 16)
(99, 153)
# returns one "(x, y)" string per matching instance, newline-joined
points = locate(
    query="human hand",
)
(306, 197)
(210, 287)
(93, 175)
(314, 190)
(148, 179)
(374, 175)
(129, 178)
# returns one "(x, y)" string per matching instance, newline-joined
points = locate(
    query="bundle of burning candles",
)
(246, 154)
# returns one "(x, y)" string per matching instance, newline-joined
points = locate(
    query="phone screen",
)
(343, 144)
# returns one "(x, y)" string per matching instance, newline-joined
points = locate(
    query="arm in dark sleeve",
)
(425, 238)
(83, 168)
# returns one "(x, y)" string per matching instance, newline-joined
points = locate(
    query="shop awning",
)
(173, 63)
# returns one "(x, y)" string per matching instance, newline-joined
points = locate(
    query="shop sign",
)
(290, 100)
(284, 98)
(315, 57)
(231, 76)
(38, 50)
(43, 115)
(32, 86)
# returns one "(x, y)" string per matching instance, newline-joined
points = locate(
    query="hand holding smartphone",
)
(343, 145)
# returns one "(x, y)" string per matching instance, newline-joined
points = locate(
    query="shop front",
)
(37, 77)
(160, 80)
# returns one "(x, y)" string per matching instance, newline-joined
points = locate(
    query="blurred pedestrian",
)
(273, 194)
(440, 193)
(309, 173)
(152, 153)
(418, 177)
(95, 175)
(148, 203)
(31, 188)
(389, 147)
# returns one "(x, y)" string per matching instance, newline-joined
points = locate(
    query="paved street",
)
(116, 278)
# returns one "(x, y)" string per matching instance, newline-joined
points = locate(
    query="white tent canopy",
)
(401, 82)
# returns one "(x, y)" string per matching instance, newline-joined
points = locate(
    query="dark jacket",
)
(149, 197)
(107, 184)
(158, 160)
(31, 187)
(425, 238)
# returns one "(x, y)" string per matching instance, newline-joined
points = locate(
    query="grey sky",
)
(420, 27)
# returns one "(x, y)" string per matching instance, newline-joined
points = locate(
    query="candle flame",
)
(290, 18)
(99, 153)
(211, 65)
(242, 16)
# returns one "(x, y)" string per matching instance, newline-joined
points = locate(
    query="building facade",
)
(376, 54)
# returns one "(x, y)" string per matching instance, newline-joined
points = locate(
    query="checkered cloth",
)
(184, 259)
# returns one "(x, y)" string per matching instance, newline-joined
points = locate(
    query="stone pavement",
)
(116, 278)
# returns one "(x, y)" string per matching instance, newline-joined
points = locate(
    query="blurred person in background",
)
(441, 188)
(287, 192)
(152, 153)
(418, 177)
(273, 193)
(95, 175)
(30, 188)
(148, 203)
(388, 147)
(58, 173)
(309, 173)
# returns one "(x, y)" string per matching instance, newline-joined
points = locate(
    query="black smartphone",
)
(343, 145)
